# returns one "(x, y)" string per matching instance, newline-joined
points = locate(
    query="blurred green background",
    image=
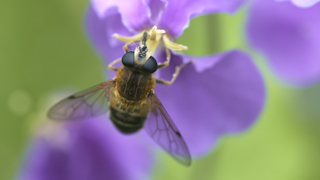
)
(44, 47)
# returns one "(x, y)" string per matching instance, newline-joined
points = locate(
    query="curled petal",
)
(93, 149)
(302, 3)
(305, 3)
(288, 37)
(175, 18)
(216, 95)
(134, 13)
(100, 33)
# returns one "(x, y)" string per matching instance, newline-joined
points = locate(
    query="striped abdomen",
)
(128, 119)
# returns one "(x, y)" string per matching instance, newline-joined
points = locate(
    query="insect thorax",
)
(133, 84)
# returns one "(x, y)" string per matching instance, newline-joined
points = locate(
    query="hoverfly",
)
(131, 100)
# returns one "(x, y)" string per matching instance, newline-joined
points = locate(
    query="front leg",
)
(110, 66)
(166, 63)
(175, 75)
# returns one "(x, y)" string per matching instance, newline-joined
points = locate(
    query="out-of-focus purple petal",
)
(218, 94)
(134, 13)
(177, 13)
(94, 149)
(100, 33)
(156, 9)
(289, 38)
(302, 3)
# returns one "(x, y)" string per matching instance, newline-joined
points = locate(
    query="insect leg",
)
(110, 66)
(166, 63)
(174, 76)
(170, 45)
(125, 47)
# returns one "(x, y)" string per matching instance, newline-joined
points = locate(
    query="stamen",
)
(153, 40)
(128, 39)
(171, 45)
(154, 32)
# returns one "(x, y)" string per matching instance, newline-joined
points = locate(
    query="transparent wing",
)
(161, 128)
(91, 102)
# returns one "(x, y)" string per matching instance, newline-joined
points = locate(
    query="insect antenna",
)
(144, 38)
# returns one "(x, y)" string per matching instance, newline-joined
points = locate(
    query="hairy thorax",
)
(134, 85)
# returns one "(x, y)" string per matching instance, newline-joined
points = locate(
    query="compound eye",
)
(128, 59)
(150, 66)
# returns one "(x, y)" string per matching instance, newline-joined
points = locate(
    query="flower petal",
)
(177, 14)
(100, 33)
(156, 9)
(218, 94)
(289, 38)
(95, 150)
(134, 13)
(302, 3)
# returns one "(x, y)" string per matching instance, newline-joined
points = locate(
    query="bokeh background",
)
(44, 48)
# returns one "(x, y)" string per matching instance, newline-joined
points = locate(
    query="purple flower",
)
(85, 150)
(302, 3)
(216, 95)
(288, 37)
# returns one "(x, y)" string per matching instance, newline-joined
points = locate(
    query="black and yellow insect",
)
(131, 100)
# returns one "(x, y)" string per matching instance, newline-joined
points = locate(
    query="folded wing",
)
(161, 128)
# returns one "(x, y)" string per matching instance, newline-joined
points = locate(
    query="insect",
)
(131, 100)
